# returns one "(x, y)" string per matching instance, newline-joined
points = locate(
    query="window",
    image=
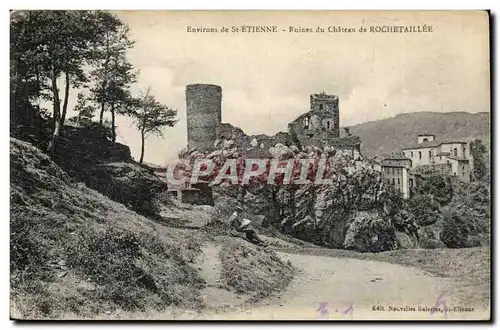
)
(455, 152)
(398, 180)
(463, 167)
(425, 139)
(393, 181)
(440, 157)
(306, 123)
(411, 154)
(328, 124)
(455, 173)
(420, 155)
(430, 154)
(463, 152)
(321, 107)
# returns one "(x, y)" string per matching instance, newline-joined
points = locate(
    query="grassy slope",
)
(75, 251)
(386, 135)
(248, 269)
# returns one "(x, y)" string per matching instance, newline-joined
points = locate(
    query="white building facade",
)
(447, 157)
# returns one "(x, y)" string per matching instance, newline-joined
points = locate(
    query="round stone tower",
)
(203, 114)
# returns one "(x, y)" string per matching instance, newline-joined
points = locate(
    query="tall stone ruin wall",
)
(203, 115)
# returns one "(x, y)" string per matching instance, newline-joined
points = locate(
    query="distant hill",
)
(383, 136)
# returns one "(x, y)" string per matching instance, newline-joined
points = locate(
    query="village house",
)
(396, 172)
(446, 157)
(427, 156)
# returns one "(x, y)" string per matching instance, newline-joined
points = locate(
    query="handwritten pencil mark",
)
(349, 310)
(440, 302)
(322, 309)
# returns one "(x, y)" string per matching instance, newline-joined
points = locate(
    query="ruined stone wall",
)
(203, 115)
(327, 106)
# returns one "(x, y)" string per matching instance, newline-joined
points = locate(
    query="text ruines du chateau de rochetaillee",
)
(319, 29)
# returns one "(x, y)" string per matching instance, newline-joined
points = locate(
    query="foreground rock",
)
(369, 232)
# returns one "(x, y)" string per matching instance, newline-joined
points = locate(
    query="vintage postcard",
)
(250, 165)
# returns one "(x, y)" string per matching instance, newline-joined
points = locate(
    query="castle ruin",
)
(203, 115)
(319, 126)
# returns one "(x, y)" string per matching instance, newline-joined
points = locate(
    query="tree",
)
(477, 150)
(56, 44)
(85, 111)
(437, 185)
(150, 117)
(113, 74)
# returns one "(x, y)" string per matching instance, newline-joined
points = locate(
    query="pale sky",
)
(266, 79)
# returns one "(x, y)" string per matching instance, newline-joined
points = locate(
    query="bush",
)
(425, 209)
(439, 186)
(472, 203)
(455, 232)
(429, 243)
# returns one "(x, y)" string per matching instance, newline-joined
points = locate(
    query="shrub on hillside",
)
(439, 186)
(429, 243)
(477, 150)
(74, 250)
(472, 203)
(455, 232)
(425, 209)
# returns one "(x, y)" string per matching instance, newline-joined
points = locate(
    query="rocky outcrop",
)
(369, 232)
(318, 213)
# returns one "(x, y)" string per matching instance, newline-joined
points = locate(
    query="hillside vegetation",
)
(74, 250)
(383, 136)
(77, 252)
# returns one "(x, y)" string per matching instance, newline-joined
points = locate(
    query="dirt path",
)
(333, 288)
(214, 295)
(344, 289)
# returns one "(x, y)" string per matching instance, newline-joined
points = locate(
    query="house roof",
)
(426, 144)
(458, 158)
(429, 168)
(423, 134)
(396, 157)
(453, 142)
(431, 144)
(393, 165)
